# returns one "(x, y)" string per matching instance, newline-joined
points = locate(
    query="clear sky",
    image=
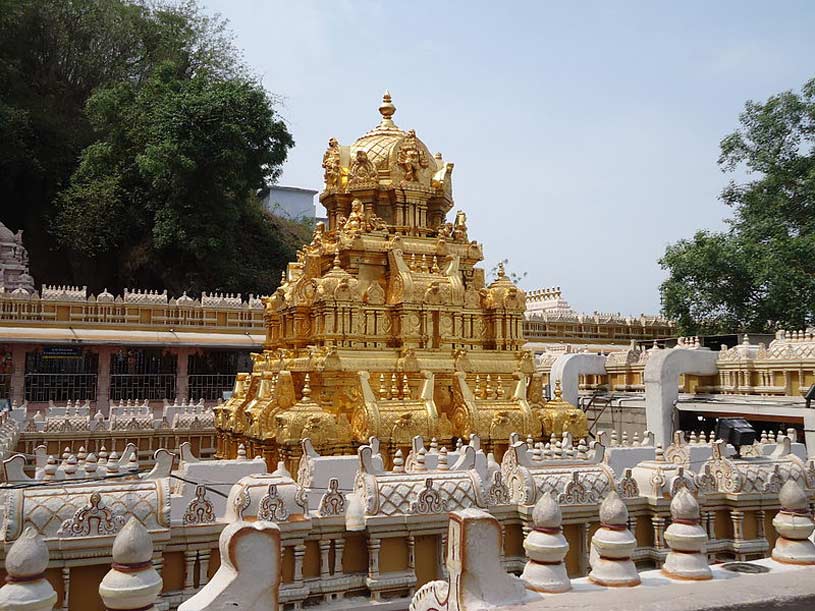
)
(584, 134)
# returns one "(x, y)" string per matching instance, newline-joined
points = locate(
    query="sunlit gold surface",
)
(387, 315)
(559, 416)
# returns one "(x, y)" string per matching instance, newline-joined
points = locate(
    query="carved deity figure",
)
(460, 227)
(317, 237)
(356, 220)
(331, 165)
(446, 230)
(362, 170)
(411, 158)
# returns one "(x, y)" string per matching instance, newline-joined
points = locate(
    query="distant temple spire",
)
(14, 274)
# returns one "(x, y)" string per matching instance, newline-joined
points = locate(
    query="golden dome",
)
(386, 155)
(380, 141)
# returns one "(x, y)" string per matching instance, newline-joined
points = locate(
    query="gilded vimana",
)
(384, 326)
(221, 388)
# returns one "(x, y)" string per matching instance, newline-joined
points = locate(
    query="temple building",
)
(65, 344)
(551, 325)
(384, 326)
(390, 445)
(14, 274)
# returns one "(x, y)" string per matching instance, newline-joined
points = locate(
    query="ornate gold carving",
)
(411, 158)
(362, 170)
(400, 297)
(559, 416)
(332, 167)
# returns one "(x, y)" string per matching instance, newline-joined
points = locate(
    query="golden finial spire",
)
(387, 109)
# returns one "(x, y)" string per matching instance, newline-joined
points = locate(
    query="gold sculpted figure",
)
(331, 165)
(362, 170)
(460, 227)
(559, 416)
(411, 158)
(356, 219)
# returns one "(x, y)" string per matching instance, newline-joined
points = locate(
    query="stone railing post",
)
(794, 525)
(132, 582)
(203, 569)
(477, 578)
(546, 548)
(249, 575)
(189, 571)
(339, 547)
(612, 546)
(687, 540)
(26, 587)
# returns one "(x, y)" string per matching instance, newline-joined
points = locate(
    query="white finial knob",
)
(132, 582)
(546, 548)
(26, 586)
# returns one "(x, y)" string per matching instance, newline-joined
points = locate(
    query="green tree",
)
(132, 141)
(759, 275)
(171, 178)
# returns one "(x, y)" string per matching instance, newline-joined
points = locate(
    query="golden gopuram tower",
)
(384, 326)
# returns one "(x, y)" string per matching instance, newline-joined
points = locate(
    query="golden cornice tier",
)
(385, 325)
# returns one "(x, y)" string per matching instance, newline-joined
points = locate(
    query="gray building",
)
(291, 202)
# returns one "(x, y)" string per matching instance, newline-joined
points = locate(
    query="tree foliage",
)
(759, 275)
(132, 142)
(515, 277)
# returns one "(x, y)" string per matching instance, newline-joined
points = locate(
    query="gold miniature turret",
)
(389, 289)
(559, 416)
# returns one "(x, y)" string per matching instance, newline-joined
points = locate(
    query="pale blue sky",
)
(585, 134)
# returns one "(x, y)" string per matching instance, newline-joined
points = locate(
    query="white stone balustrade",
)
(123, 416)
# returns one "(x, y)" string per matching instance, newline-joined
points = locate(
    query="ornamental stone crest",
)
(575, 493)
(628, 486)
(428, 500)
(241, 502)
(199, 509)
(498, 493)
(301, 498)
(333, 501)
(272, 508)
(92, 520)
(657, 481)
(706, 482)
(683, 481)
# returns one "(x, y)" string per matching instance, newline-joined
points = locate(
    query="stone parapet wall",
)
(135, 309)
(785, 368)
